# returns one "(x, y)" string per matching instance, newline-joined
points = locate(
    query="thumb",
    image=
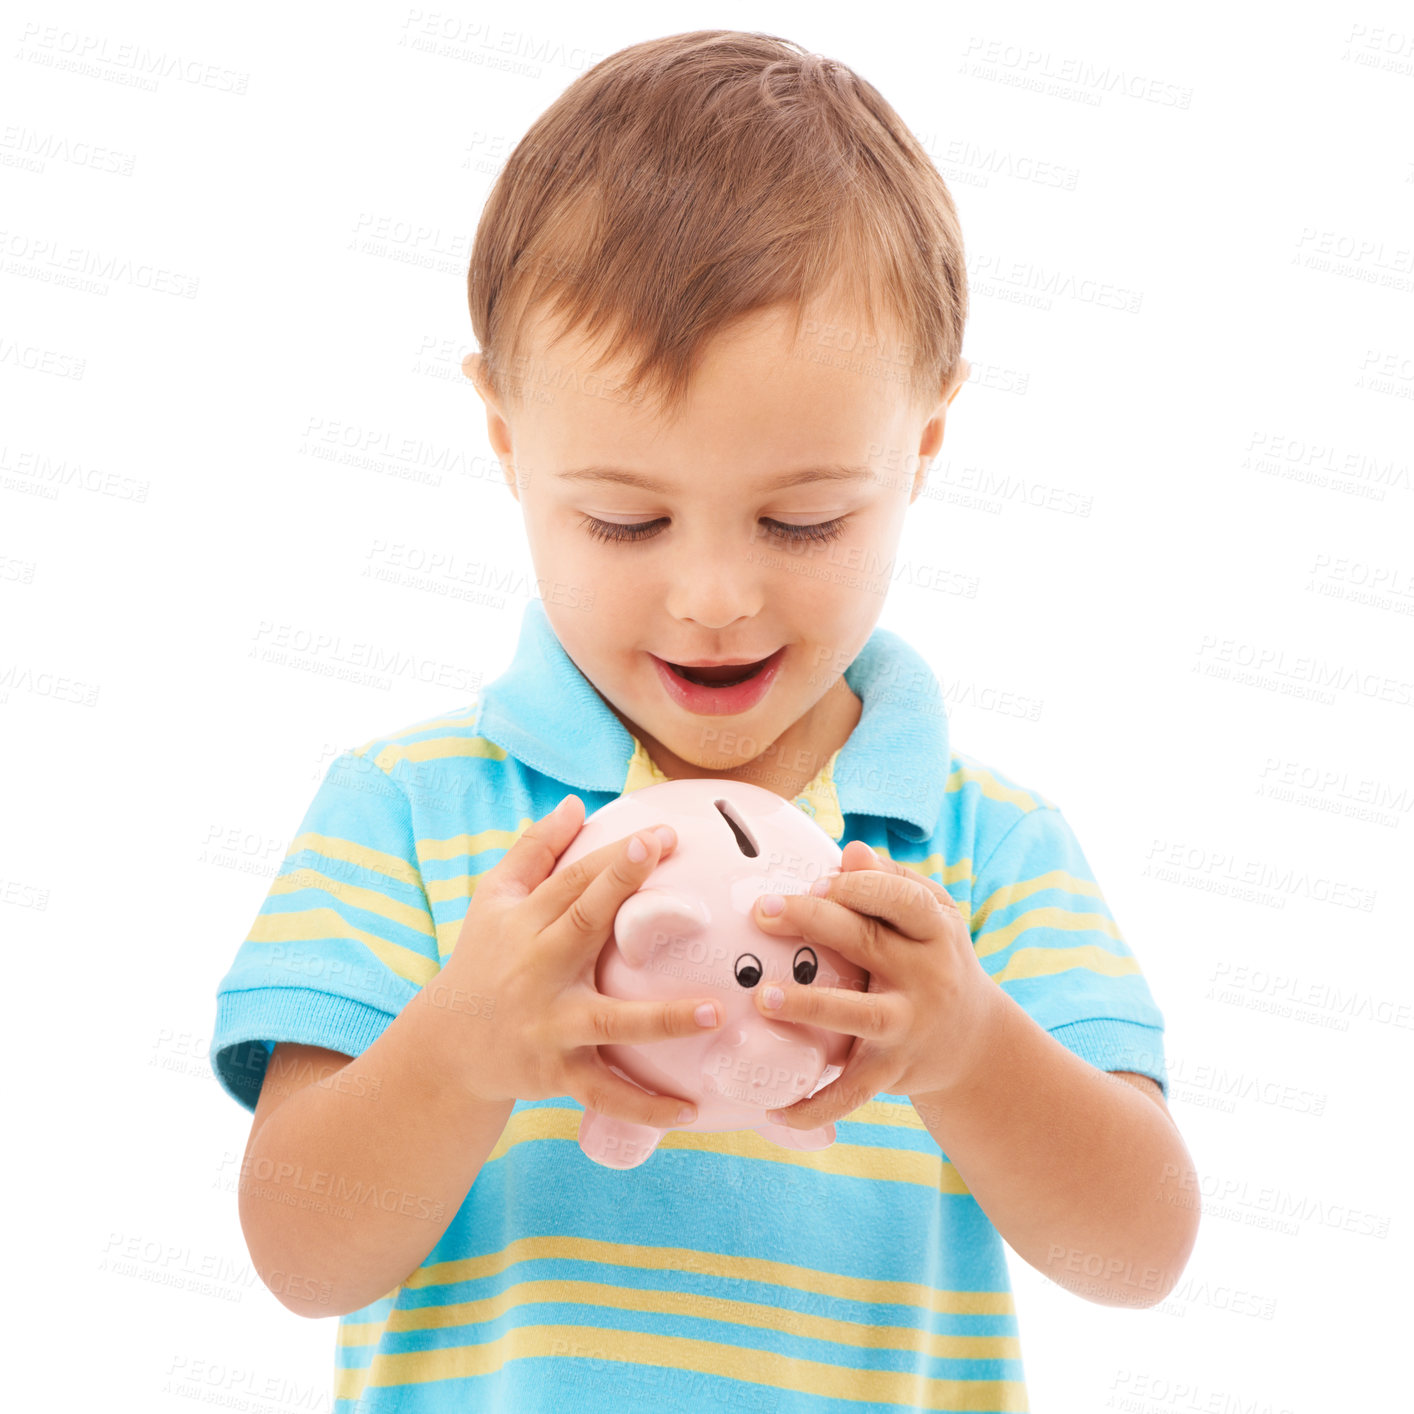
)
(532, 858)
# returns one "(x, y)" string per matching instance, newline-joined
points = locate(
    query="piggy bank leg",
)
(788, 1138)
(616, 1143)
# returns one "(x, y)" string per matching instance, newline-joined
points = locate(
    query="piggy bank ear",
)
(652, 917)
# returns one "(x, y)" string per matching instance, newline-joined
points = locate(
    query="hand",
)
(923, 1022)
(527, 952)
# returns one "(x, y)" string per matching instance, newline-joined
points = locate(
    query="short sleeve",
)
(344, 939)
(1044, 932)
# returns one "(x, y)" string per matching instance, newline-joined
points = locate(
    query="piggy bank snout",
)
(763, 1063)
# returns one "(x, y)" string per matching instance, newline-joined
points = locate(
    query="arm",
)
(355, 1168)
(1087, 1180)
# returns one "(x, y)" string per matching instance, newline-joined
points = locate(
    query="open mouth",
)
(726, 676)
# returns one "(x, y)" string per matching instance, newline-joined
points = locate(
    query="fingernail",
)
(706, 1014)
(873, 854)
(773, 998)
(666, 838)
(687, 1114)
(775, 1116)
(562, 809)
(637, 850)
(820, 887)
(770, 904)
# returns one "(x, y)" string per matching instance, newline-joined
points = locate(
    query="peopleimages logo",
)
(1267, 1206)
(1065, 76)
(1218, 871)
(1297, 998)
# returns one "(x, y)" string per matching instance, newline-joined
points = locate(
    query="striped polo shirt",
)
(725, 1272)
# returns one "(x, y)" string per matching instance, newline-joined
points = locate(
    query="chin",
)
(757, 744)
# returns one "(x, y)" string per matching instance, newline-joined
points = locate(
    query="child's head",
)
(716, 260)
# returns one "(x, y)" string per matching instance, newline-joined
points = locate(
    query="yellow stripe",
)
(760, 1315)
(447, 935)
(730, 1361)
(934, 866)
(908, 1295)
(992, 784)
(927, 1169)
(356, 896)
(821, 800)
(641, 770)
(359, 1335)
(1043, 962)
(1014, 893)
(1063, 919)
(456, 846)
(439, 748)
(349, 1382)
(638, 1257)
(377, 861)
(899, 1113)
(461, 887)
(309, 923)
(459, 717)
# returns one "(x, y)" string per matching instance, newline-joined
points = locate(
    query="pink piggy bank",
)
(689, 932)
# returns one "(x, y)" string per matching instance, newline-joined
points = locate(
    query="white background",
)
(1186, 528)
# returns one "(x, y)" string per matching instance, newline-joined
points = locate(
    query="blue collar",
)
(543, 711)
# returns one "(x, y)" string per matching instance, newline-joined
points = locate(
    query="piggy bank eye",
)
(748, 969)
(805, 966)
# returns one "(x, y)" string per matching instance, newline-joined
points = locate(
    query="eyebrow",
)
(832, 472)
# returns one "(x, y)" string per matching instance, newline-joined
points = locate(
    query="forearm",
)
(352, 1181)
(1084, 1176)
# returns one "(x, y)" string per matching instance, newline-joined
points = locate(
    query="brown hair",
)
(684, 182)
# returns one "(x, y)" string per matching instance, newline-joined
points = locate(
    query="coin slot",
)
(744, 839)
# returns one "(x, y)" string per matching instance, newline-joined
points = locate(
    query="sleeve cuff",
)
(1110, 1044)
(249, 1024)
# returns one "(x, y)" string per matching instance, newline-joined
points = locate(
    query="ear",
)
(652, 917)
(498, 429)
(474, 367)
(960, 376)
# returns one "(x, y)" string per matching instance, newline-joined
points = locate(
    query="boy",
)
(660, 268)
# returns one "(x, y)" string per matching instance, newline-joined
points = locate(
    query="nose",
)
(716, 582)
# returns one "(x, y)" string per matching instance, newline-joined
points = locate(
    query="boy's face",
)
(716, 575)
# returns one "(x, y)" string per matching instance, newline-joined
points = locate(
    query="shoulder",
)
(463, 791)
(432, 754)
(416, 739)
(982, 805)
(982, 808)
(432, 765)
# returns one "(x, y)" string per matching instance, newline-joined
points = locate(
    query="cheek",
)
(829, 586)
(564, 554)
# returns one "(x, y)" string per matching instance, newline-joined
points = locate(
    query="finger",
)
(528, 862)
(865, 856)
(902, 900)
(595, 895)
(865, 1075)
(607, 1021)
(853, 935)
(597, 1088)
(854, 1012)
(558, 892)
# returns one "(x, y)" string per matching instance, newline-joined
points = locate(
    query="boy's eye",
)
(608, 530)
